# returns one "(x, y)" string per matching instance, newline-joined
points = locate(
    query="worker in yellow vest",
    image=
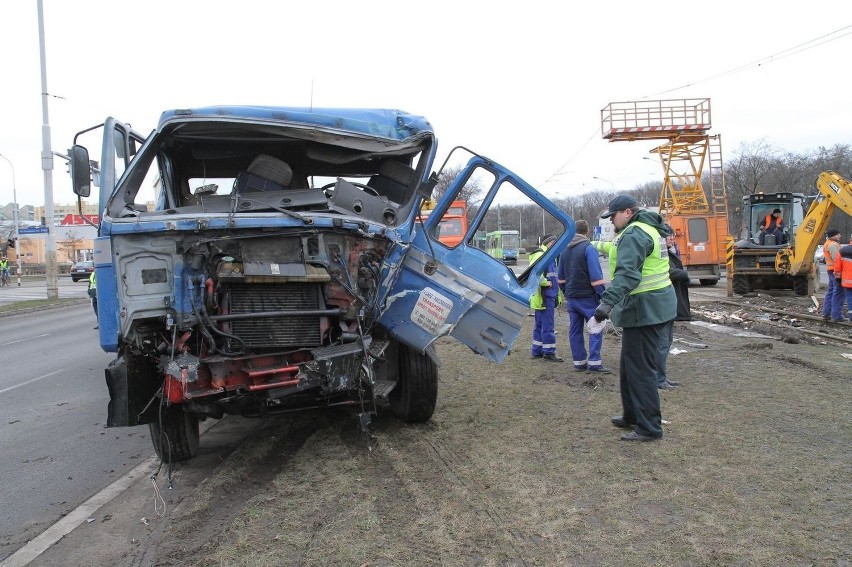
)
(93, 293)
(641, 300)
(543, 303)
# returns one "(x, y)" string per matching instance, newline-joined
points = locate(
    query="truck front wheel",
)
(414, 397)
(175, 434)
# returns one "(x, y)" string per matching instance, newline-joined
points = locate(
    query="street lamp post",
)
(16, 219)
(611, 184)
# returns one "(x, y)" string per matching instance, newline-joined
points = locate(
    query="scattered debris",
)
(690, 344)
(730, 330)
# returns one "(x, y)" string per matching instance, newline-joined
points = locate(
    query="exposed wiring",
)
(159, 502)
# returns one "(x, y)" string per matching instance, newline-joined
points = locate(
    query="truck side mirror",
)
(80, 172)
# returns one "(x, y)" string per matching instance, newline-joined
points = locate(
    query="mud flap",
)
(131, 392)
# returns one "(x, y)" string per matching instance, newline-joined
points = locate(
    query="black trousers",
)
(640, 366)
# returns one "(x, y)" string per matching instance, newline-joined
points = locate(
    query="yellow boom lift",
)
(695, 207)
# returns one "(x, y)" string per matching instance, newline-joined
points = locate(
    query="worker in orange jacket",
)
(845, 272)
(773, 224)
(832, 303)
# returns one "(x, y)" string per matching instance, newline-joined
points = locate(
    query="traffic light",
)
(11, 243)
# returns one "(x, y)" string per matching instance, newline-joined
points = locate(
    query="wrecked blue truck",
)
(254, 260)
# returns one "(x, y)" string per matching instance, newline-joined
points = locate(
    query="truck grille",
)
(289, 331)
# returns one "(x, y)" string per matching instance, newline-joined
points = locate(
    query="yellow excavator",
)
(785, 259)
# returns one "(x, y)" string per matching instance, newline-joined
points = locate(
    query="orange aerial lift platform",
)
(694, 205)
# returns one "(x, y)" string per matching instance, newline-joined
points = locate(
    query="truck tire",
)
(800, 285)
(740, 285)
(177, 439)
(416, 393)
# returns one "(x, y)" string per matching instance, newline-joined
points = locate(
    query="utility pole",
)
(51, 279)
(520, 227)
(17, 219)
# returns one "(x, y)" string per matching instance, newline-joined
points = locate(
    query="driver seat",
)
(265, 173)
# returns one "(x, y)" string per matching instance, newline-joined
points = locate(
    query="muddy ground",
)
(521, 466)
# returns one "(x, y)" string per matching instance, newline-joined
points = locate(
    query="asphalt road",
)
(37, 289)
(53, 402)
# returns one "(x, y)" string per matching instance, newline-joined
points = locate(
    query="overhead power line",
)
(808, 45)
(811, 44)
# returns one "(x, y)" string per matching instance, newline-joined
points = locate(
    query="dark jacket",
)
(680, 282)
(633, 246)
(579, 266)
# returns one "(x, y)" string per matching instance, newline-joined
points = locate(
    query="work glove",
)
(602, 312)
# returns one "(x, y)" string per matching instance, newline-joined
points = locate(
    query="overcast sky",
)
(522, 83)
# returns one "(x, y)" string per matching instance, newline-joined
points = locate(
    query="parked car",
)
(82, 270)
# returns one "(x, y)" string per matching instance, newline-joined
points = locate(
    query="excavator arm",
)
(833, 191)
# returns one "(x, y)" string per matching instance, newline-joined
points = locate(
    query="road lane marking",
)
(24, 340)
(4, 390)
(86, 510)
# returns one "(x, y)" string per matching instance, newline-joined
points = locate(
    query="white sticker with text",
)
(431, 310)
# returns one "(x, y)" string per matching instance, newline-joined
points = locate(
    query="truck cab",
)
(254, 260)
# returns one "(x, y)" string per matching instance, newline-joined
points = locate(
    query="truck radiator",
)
(285, 331)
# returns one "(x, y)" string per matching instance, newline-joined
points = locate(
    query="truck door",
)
(700, 249)
(460, 290)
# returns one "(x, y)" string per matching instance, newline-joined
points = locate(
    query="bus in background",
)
(453, 225)
(503, 245)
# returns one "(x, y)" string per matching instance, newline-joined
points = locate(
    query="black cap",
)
(670, 230)
(831, 232)
(619, 204)
(547, 239)
(776, 211)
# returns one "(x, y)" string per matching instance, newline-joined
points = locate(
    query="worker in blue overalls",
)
(543, 302)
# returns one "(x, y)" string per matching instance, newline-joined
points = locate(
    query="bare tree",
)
(648, 194)
(7, 231)
(70, 245)
(471, 193)
(751, 170)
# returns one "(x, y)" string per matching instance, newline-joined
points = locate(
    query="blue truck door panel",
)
(461, 291)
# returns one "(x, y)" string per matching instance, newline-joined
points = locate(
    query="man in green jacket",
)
(640, 299)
